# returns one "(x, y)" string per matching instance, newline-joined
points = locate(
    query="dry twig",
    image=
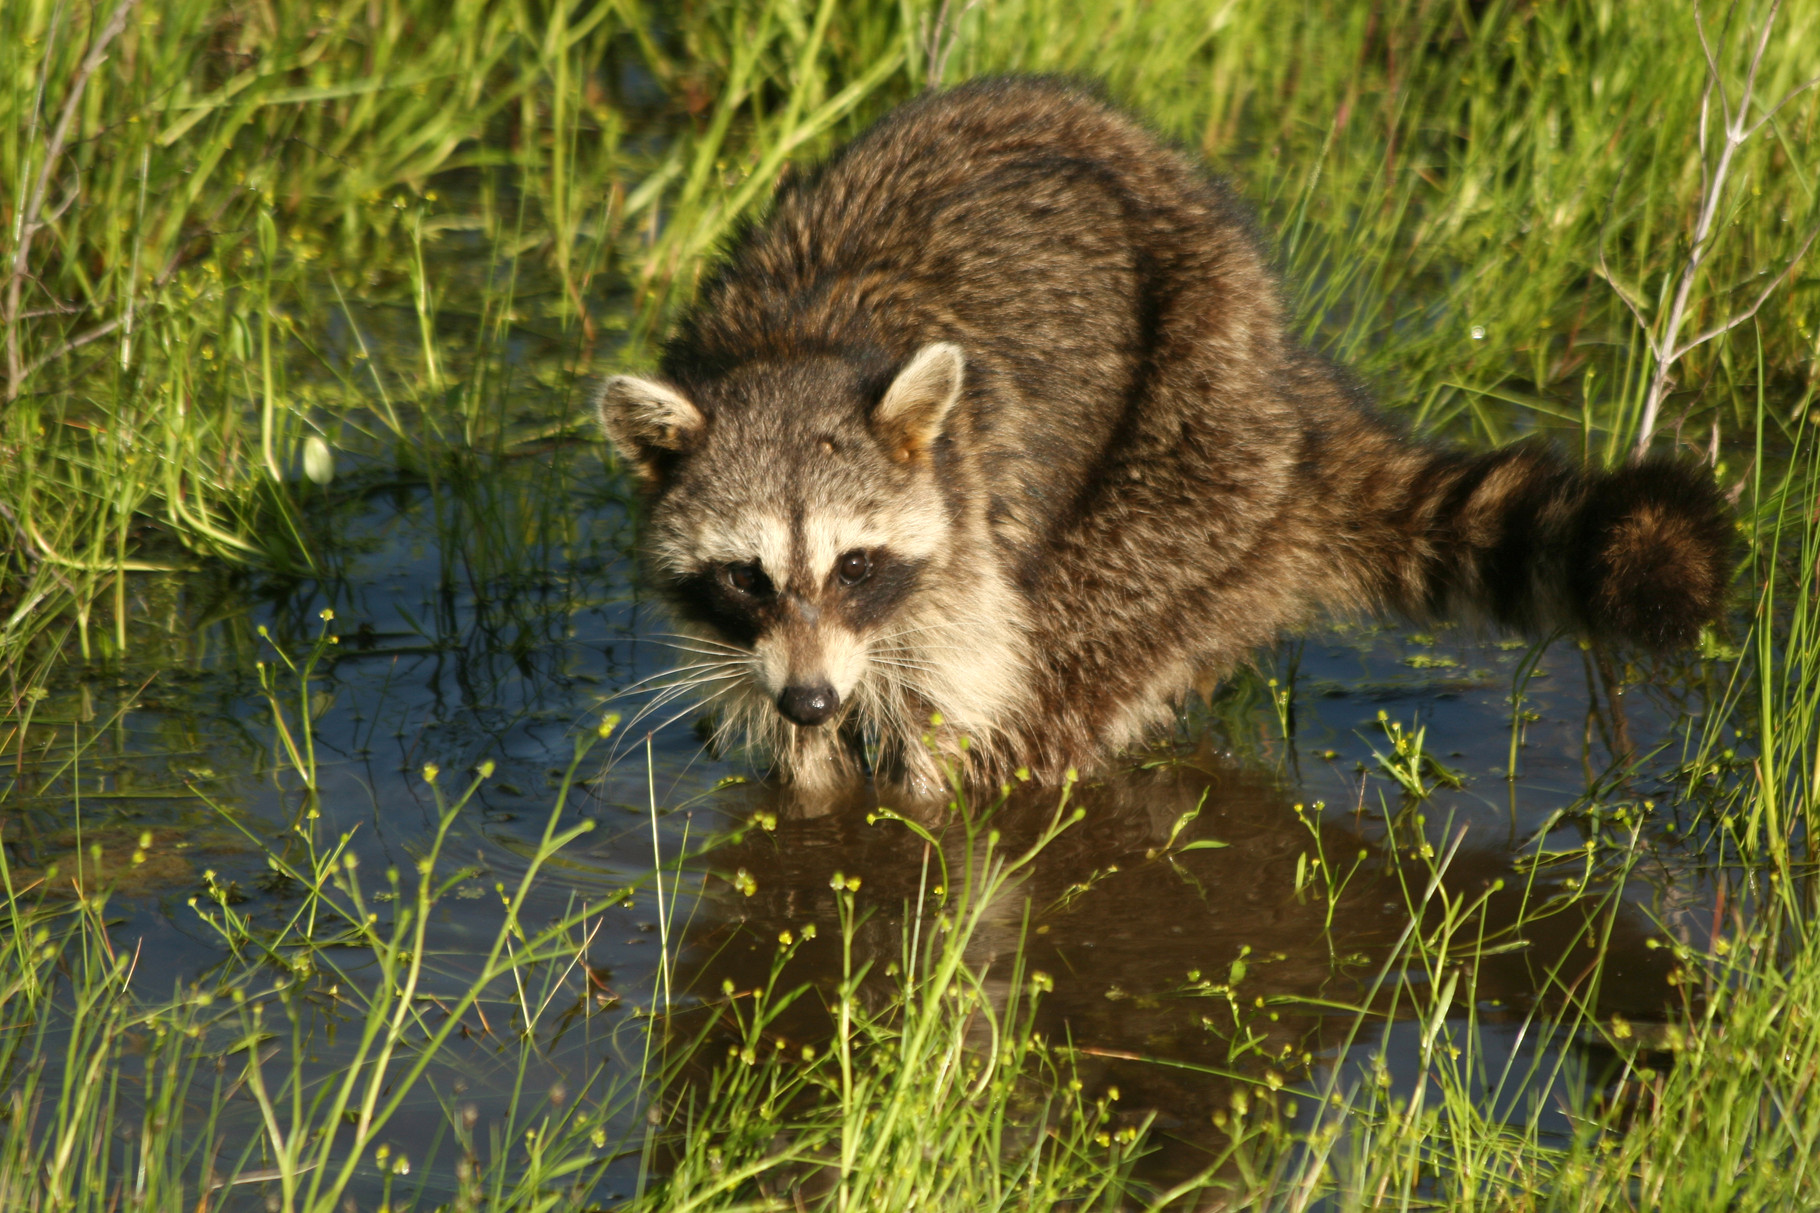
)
(939, 38)
(32, 218)
(1666, 347)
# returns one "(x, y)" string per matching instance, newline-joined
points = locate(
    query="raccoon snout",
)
(809, 705)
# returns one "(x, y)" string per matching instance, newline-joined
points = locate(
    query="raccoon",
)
(991, 442)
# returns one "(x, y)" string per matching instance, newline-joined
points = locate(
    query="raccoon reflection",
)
(996, 421)
(1129, 908)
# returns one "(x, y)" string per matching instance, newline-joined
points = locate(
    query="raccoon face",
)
(793, 509)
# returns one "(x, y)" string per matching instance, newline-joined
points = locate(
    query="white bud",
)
(318, 460)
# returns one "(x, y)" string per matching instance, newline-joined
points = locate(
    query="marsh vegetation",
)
(329, 878)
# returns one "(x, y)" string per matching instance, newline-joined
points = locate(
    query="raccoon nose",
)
(808, 705)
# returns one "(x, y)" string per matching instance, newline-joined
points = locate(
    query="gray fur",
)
(1035, 365)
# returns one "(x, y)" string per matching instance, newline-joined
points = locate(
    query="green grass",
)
(238, 239)
(120, 1091)
(186, 223)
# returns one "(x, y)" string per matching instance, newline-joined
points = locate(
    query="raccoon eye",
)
(748, 579)
(854, 567)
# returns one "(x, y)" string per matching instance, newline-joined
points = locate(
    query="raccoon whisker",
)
(903, 660)
(920, 667)
(627, 731)
(676, 690)
(902, 652)
(631, 687)
(631, 726)
(691, 636)
(720, 659)
(695, 673)
(729, 720)
(738, 719)
(911, 628)
(909, 674)
(670, 691)
(899, 685)
(656, 705)
(724, 655)
(724, 731)
(669, 694)
(897, 634)
(694, 707)
(920, 649)
(713, 657)
(693, 665)
(897, 644)
(888, 704)
(669, 639)
(760, 725)
(714, 660)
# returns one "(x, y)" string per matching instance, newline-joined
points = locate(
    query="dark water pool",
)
(487, 611)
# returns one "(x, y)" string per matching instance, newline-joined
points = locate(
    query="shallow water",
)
(488, 611)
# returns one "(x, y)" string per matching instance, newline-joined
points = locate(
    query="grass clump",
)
(260, 263)
(935, 1089)
(121, 1095)
(236, 233)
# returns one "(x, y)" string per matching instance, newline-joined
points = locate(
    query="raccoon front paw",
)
(820, 760)
(913, 772)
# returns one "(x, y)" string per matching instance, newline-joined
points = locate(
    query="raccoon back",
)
(1032, 224)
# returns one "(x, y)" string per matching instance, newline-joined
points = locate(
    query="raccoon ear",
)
(648, 421)
(916, 405)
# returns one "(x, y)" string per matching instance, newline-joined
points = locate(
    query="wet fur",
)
(1142, 478)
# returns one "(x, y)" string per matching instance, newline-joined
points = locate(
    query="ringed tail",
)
(1640, 555)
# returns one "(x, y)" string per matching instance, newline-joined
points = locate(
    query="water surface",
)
(1201, 958)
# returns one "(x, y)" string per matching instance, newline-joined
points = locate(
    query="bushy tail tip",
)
(1652, 559)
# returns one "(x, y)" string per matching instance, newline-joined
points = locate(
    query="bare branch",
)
(1715, 78)
(31, 220)
(1624, 296)
(1603, 270)
(1756, 60)
(62, 208)
(73, 344)
(1786, 98)
(97, 55)
(942, 37)
(1706, 105)
(1733, 322)
(1665, 345)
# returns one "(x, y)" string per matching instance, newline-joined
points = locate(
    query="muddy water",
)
(488, 611)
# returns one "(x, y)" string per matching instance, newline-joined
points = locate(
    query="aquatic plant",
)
(269, 271)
